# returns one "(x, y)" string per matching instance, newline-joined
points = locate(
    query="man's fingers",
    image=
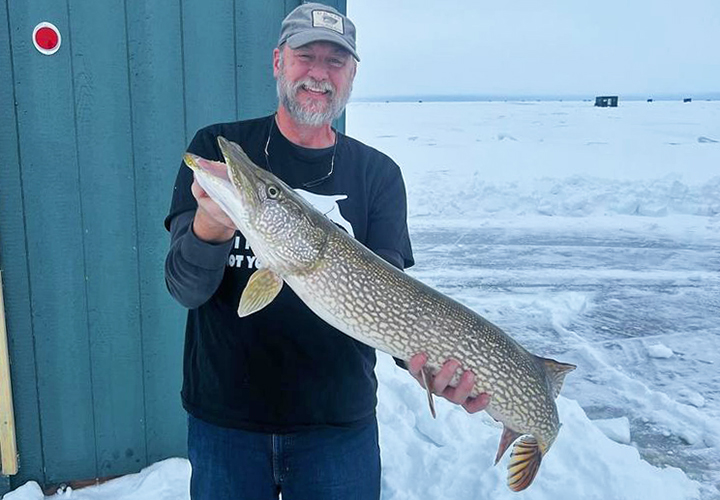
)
(474, 405)
(444, 376)
(461, 392)
(416, 363)
(197, 190)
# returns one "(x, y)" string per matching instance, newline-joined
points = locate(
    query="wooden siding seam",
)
(235, 60)
(182, 62)
(137, 226)
(71, 58)
(11, 59)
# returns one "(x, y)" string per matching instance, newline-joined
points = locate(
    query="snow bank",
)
(166, 480)
(452, 457)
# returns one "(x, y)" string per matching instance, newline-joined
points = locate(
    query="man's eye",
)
(338, 63)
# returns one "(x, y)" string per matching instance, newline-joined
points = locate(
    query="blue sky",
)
(552, 47)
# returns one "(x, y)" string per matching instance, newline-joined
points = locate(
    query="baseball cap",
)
(315, 22)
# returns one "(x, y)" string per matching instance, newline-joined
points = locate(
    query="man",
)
(279, 400)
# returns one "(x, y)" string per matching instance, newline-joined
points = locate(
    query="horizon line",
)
(534, 97)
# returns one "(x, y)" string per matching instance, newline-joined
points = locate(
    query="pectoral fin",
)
(524, 463)
(426, 381)
(262, 288)
(508, 437)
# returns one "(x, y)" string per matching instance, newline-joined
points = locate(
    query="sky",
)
(527, 47)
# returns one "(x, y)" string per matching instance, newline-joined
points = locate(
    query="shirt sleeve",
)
(193, 268)
(388, 234)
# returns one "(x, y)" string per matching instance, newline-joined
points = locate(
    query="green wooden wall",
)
(90, 142)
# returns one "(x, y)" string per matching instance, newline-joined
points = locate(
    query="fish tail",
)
(556, 372)
(524, 463)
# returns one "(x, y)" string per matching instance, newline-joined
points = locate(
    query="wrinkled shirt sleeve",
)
(193, 268)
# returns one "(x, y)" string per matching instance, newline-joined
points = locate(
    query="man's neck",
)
(306, 136)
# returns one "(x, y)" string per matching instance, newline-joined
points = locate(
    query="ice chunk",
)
(617, 429)
(660, 351)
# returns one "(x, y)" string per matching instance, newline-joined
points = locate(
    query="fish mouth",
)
(213, 169)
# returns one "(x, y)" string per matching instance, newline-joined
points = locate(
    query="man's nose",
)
(318, 71)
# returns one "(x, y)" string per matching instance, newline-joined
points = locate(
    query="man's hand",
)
(439, 383)
(211, 224)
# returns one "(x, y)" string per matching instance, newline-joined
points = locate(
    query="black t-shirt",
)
(284, 369)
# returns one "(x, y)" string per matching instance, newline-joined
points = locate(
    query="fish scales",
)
(366, 298)
(349, 282)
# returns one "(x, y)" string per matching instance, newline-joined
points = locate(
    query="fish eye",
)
(273, 192)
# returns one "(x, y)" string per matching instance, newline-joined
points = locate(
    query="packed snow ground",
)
(591, 235)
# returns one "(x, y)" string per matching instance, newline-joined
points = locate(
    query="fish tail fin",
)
(556, 372)
(524, 463)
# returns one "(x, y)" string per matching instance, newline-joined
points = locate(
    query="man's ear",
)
(276, 62)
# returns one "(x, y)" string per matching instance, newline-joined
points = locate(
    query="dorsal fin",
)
(556, 372)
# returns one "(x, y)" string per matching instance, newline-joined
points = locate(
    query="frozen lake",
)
(590, 235)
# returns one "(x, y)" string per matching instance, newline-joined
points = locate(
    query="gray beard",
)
(287, 95)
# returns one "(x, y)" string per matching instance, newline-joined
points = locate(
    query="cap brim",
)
(299, 39)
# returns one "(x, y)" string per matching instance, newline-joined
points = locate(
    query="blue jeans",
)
(325, 464)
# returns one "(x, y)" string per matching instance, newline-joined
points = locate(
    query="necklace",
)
(308, 184)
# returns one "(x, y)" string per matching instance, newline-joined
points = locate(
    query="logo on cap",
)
(329, 20)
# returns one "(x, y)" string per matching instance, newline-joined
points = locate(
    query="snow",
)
(591, 235)
(166, 480)
(660, 351)
(617, 429)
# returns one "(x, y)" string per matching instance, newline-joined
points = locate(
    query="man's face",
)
(314, 81)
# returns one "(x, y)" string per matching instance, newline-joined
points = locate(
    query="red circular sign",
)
(46, 38)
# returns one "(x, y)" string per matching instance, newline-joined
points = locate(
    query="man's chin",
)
(313, 116)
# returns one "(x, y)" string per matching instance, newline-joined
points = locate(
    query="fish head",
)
(285, 232)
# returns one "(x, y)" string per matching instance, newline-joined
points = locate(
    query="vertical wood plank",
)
(13, 262)
(8, 445)
(257, 32)
(340, 5)
(208, 48)
(158, 124)
(106, 178)
(46, 131)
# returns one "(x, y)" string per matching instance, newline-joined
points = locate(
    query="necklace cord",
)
(308, 184)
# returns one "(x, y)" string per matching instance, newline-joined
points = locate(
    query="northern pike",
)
(370, 300)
